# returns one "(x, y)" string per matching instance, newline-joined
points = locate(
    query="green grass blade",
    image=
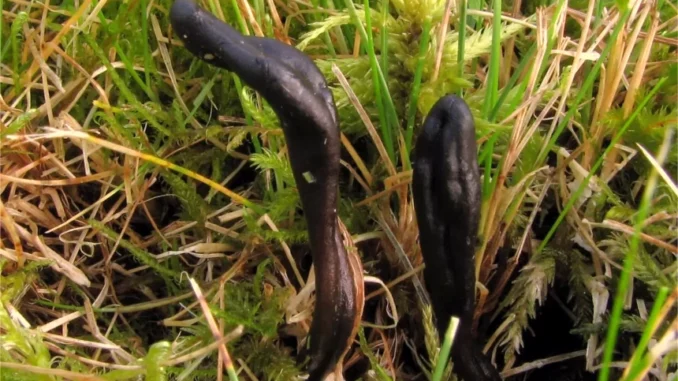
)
(638, 362)
(200, 98)
(473, 4)
(629, 259)
(141, 255)
(232, 375)
(512, 82)
(326, 35)
(18, 124)
(148, 58)
(16, 31)
(461, 42)
(2, 52)
(122, 86)
(445, 349)
(242, 25)
(380, 86)
(598, 163)
(129, 66)
(374, 361)
(341, 41)
(384, 37)
(492, 85)
(416, 83)
(486, 158)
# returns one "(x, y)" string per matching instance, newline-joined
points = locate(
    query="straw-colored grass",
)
(149, 219)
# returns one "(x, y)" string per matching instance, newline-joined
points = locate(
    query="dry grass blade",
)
(618, 226)
(52, 183)
(541, 363)
(391, 302)
(288, 254)
(50, 372)
(51, 134)
(60, 264)
(10, 230)
(205, 350)
(365, 118)
(126, 163)
(358, 161)
(395, 281)
(444, 25)
(50, 46)
(214, 328)
(660, 170)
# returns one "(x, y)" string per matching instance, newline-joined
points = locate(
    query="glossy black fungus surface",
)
(298, 93)
(446, 190)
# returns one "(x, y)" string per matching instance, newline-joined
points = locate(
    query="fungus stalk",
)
(298, 93)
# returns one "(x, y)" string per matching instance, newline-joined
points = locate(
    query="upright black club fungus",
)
(298, 93)
(446, 190)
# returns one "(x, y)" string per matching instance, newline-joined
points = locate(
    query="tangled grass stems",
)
(643, 212)
(572, 101)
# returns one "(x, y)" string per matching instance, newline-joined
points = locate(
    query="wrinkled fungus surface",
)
(446, 190)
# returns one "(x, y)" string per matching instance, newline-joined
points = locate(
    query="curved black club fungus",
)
(298, 93)
(446, 190)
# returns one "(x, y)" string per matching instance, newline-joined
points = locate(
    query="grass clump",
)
(150, 224)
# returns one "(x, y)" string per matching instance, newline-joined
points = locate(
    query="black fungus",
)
(446, 190)
(297, 91)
